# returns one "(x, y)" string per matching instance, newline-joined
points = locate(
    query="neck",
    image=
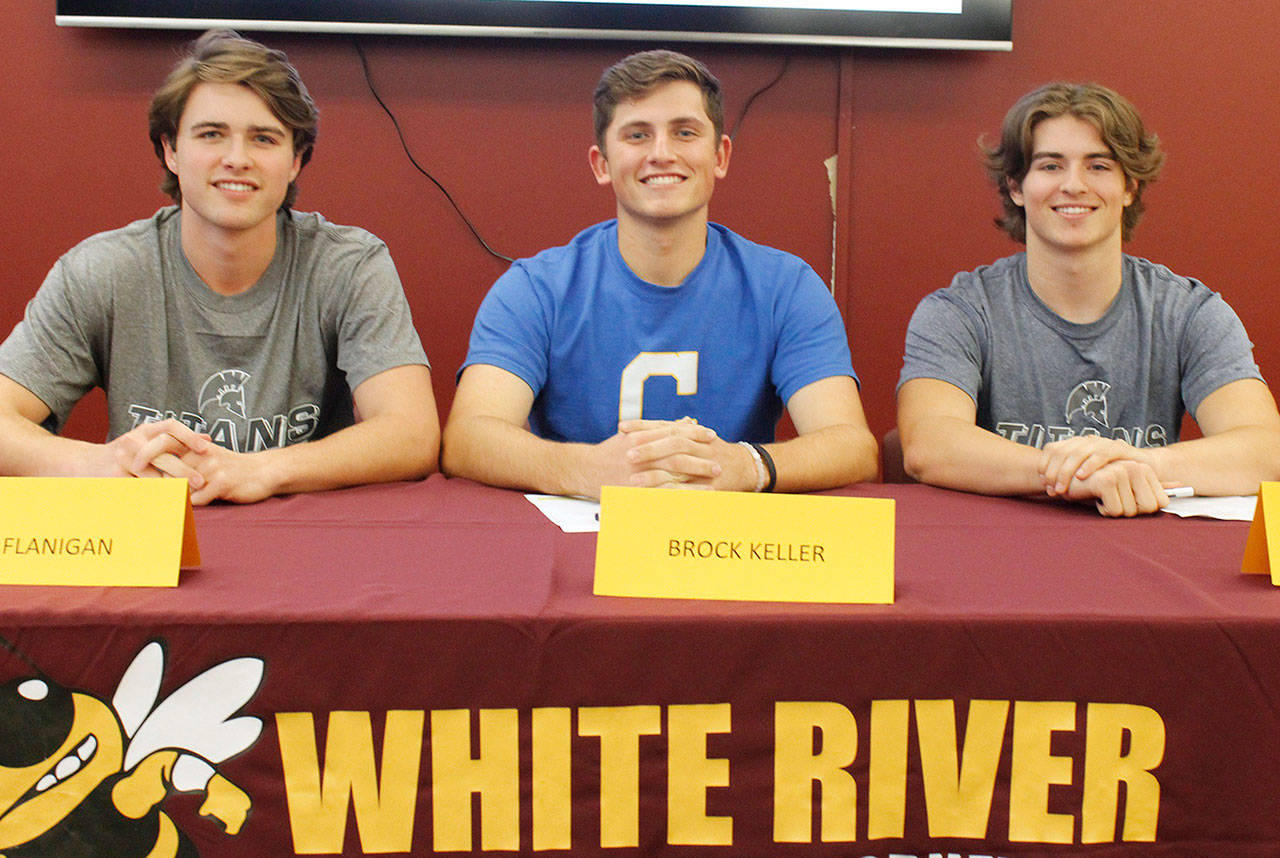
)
(228, 261)
(660, 253)
(1080, 286)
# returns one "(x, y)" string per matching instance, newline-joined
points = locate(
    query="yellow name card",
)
(671, 544)
(1262, 546)
(95, 532)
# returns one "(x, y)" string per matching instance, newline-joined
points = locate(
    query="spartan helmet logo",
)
(226, 390)
(1087, 405)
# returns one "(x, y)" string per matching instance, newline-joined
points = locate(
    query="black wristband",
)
(768, 466)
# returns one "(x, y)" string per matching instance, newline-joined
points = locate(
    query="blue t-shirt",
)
(749, 327)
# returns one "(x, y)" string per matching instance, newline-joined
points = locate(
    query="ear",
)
(1015, 191)
(722, 156)
(1130, 190)
(599, 165)
(170, 158)
(297, 167)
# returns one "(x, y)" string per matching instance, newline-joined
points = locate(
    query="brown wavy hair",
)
(223, 56)
(1135, 149)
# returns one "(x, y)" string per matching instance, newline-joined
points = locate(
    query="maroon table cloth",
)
(437, 676)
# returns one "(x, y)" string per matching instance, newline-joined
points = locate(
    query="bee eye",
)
(34, 689)
(36, 717)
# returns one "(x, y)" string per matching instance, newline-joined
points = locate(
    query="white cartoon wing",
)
(136, 693)
(197, 717)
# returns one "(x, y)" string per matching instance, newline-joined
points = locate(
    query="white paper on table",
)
(572, 515)
(1231, 508)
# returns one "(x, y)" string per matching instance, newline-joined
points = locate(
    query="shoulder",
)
(315, 234)
(330, 262)
(566, 268)
(1159, 281)
(773, 277)
(127, 259)
(1184, 311)
(722, 240)
(592, 245)
(976, 292)
(127, 243)
(1172, 301)
(989, 282)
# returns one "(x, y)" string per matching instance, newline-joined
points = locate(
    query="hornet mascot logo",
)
(79, 777)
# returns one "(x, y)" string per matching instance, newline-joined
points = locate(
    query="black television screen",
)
(974, 24)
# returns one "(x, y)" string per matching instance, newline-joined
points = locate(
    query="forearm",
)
(1233, 462)
(952, 453)
(28, 450)
(382, 448)
(491, 450)
(825, 458)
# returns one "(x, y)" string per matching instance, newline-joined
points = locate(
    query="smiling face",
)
(234, 161)
(662, 156)
(1075, 192)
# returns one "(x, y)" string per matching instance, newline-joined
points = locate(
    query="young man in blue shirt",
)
(658, 349)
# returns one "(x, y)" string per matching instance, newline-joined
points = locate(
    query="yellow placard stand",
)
(84, 531)
(1262, 547)
(665, 543)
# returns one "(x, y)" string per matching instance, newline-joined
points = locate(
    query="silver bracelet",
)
(762, 476)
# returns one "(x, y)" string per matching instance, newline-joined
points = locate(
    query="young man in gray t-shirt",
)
(237, 340)
(1065, 371)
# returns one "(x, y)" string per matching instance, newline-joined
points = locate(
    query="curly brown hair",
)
(1136, 150)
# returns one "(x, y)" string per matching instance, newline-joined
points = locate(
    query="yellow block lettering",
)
(1105, 767)
(1034, 769)
(619, 729)
(796, 766)
(887, 769)
(957, 795)
(690, 773)
(552, 791)
(455, 775)
(318, 802)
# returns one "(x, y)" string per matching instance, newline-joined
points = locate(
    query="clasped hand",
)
(1119, 477)
(673, 454)
(170, 448)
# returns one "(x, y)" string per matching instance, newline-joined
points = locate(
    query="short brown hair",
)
(633, 77)
(223, 56)
(1136, 150)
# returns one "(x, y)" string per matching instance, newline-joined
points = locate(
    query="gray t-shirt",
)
(1165, 344)
(274, 365)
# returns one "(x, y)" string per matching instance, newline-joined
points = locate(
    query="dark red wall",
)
(505, 126)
